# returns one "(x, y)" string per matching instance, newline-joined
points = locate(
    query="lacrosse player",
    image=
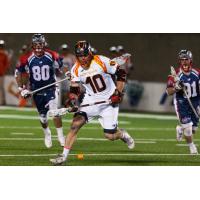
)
(41, 65)
(186, 80)
(94, 73)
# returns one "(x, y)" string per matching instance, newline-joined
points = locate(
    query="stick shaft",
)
(96, 103)
(189, 101)
(47, 86)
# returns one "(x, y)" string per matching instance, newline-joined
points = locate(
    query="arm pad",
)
(121, 74)
(75, 90)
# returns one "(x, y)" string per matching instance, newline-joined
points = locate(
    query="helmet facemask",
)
(185, 60)
(38, 44)
(83, 53)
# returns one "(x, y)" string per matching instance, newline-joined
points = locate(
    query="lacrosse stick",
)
(64, 111)
(58, 112)
(121, 60)
(47, 86)
(176, 78)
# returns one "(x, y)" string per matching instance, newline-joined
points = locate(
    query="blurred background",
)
(152, 56)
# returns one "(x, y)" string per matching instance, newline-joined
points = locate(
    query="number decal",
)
(97, 83)
(41, 73)
(191, 89)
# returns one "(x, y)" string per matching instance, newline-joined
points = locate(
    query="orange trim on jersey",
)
(76, 69)
(100, 63)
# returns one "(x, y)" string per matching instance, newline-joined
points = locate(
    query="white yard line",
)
(93, 128)
(121, 114)
(81, 139)
(184, 145)
(28, 117)
(148, 116)
(15, 133)
(138, 140)
(99, 154)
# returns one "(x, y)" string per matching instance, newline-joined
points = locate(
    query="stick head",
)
(173, 73)
(57, 112)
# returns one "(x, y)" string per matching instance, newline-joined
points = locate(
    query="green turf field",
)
(21, 142)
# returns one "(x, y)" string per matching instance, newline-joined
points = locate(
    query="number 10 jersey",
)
(96, 79)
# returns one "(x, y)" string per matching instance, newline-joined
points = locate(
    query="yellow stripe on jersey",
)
(76, 69)
(100, 63)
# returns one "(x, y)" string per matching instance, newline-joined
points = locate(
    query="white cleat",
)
(47, 140)
(61, 140)
(59, 160)
(193, 149)
(179, 133)
(128, 139)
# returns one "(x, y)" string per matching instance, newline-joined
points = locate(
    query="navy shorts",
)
(184, 111)
(42, 99)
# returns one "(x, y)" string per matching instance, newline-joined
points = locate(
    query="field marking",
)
(138, 140)
(81, 139)
(29, 117)
(185, 145)
(121, 114)
(15, 133)
(99, 154)
(148, 116)
(93, 128)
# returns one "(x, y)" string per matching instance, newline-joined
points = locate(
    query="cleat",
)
(59, 160)
(128, 139)
(179, 133)
(61, 140)
(47, 140)
(193, 149)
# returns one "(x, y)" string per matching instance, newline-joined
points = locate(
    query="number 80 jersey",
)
(191, 82)
(42, 69)
(96, 79)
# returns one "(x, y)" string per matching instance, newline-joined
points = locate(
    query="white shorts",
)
(106, 114)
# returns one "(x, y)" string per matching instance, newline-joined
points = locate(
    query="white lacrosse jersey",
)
(96, 79)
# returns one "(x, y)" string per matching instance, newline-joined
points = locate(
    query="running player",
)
(94, 73)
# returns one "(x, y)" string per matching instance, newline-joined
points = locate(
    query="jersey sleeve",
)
(74, 74)
(170, 81)
(58, 61)
(22, 65)
(111, 66)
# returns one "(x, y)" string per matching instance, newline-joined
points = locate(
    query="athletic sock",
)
(66, 151)
(191, 144)
(122, 134)
(47, 131)
(60, 131)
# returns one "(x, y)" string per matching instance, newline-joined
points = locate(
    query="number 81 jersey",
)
(96, 79)
(42, 69)
(191, 82)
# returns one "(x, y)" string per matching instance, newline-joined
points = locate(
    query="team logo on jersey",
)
(185, 120)
(112, 63)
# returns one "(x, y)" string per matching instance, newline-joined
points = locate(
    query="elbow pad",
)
(75, 90)
(121, 74)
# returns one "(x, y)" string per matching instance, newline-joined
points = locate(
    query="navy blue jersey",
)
(182, 107)
(42, 69)
(191, 82)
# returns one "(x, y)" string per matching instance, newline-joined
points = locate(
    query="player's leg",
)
(109, 121)
(179, 129)
(46, 130)
(40, 104)
(195, 120)
(184, 114)
(179, 133)
(187, 130)
(79, 120)
(52, 99)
